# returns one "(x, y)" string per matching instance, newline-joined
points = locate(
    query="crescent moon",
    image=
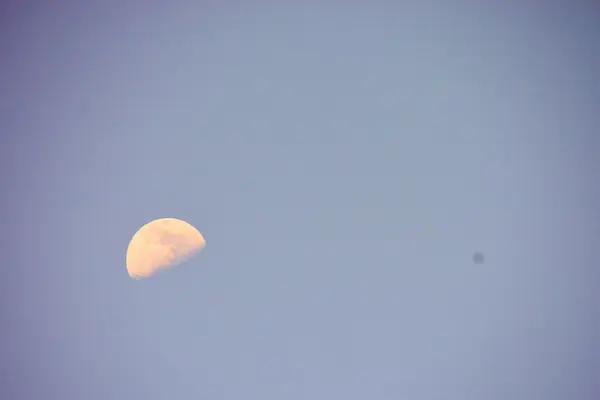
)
(161, 244)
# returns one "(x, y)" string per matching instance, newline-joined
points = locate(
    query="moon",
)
(161, 244)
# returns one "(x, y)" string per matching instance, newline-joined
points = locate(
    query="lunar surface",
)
(161, 244)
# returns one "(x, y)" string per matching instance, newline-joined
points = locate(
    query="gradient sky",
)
(343, 164)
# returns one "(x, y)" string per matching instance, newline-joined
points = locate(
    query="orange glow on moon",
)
(161, 244)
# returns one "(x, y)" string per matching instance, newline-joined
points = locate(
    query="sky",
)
(343, 164)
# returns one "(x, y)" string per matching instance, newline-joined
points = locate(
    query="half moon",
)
(161, 244)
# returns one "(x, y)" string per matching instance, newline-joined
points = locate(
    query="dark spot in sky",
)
(478, 258)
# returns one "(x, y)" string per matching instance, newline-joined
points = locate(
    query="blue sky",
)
(343, 165)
